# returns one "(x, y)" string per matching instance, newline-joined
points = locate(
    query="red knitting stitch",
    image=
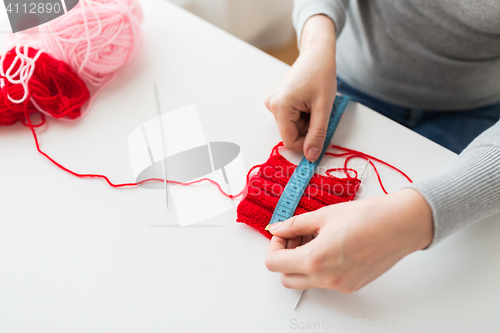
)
(54, 87)
(265, 188)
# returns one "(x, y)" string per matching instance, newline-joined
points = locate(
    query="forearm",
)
(470, 190)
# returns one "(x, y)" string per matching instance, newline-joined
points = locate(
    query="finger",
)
(300, 225)
(306, 239)
(267, 102)
(297, 281)
(292, 243)
(286, 119)
(302, 125)
(316, 134)
(277, 243)
(280, 259)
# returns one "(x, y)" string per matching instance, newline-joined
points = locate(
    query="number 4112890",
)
(34, 8)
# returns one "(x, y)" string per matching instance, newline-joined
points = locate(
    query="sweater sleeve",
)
(470, 190)
(304, 9)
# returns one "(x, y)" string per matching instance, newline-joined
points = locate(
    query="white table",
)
(78, 256)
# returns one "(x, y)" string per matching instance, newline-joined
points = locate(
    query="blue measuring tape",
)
(305, 170)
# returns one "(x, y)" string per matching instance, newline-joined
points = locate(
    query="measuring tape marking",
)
(294, 189)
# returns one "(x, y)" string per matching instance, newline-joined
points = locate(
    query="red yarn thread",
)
(90, 175)
(81, 175)
(351, 153)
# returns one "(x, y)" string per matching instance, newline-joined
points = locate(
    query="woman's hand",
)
(302, 102)
(348, 245)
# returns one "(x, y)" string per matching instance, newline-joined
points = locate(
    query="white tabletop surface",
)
(79, 256)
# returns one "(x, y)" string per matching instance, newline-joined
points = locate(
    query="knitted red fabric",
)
(265, 188)
(54, 87)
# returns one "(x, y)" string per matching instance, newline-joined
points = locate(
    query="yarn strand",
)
(121, 185)
(351, 153)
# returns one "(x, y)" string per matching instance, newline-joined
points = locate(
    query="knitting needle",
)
(163, 143)
(300, 299)
(366, 167)
(304, 291)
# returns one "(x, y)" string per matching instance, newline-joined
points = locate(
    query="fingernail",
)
(275, 226)
(313, 154)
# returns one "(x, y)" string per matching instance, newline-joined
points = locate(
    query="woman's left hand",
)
(348, 245)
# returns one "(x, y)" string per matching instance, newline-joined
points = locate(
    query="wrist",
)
(415, 218)
(318, 35)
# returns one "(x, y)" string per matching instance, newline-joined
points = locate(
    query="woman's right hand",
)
(302, 102)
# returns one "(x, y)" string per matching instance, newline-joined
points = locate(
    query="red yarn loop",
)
(42, 121)
(345, 170)
(351, 153)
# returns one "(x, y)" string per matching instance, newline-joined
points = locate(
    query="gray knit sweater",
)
(430, 55)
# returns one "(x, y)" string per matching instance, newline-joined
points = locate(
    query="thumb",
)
(316, 134)
(300, 225)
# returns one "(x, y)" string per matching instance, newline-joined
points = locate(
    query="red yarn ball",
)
(54, 87)
(12, 112)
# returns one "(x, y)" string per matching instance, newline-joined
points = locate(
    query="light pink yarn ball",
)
(95, 38)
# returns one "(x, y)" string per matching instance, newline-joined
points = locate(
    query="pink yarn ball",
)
(95, 38)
